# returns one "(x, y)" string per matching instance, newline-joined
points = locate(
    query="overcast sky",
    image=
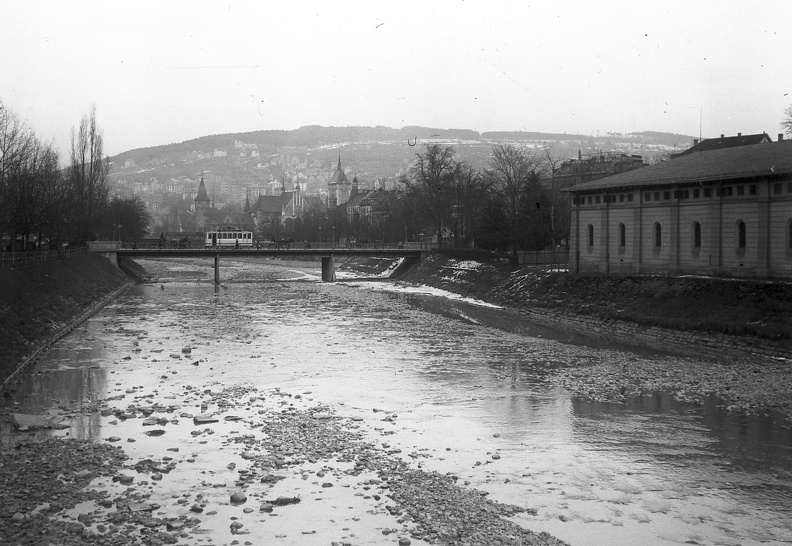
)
(162, 72)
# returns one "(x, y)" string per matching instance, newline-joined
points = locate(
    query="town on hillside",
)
(253, 182)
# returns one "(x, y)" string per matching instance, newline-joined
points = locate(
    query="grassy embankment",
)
(39, 299)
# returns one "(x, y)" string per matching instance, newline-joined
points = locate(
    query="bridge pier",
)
(328, 269)
(217, 269)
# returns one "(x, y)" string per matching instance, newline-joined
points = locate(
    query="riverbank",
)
(39, 300)
(737, 330)
(752, 317)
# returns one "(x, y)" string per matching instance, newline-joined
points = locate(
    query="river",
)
(472, 388)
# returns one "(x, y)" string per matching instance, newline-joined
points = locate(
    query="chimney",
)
(739, 134)
(722, 135)
(780, 137)
(695, 142)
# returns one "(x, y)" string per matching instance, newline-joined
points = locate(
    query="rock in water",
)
(238, 497)
(204, 419)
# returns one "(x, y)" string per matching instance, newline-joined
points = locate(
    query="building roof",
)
(338, 176)
(754, 160)
(271, 204)
(709, 144)
(313, 202)
(202, 195)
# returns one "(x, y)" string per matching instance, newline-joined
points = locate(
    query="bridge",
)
(113, 250)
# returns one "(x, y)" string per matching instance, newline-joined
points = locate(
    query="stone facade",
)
(725, 212)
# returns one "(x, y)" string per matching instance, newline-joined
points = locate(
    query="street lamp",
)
(321, 241)
(332, 241)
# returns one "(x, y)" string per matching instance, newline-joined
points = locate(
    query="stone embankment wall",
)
(680, 314)
(41, 302)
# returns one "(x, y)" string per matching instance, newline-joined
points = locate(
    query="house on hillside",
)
(725, 211)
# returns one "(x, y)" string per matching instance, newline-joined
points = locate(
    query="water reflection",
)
(66, 396)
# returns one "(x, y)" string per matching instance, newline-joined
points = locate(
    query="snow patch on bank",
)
(423, 290)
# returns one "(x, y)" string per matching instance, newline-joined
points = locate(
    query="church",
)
(339, 187)
(208, 218)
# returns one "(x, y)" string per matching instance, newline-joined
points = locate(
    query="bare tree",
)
(429, 184)
(16, 140)
(470, 198)
(514, 175)
(786, 124)
(559, 202)
(29, 175)
(127, 218)
(88, 177)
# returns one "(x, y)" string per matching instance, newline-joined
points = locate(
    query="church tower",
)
(201, 207)
(339, 186)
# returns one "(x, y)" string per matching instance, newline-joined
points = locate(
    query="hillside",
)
(374, 152)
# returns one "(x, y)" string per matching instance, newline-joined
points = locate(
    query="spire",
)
(354, 192)
(202, 196)
(339, 158)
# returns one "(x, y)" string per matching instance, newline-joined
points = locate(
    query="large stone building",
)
(725, 212)
(270, 211)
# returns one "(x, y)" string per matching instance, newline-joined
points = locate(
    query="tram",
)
(228, 238)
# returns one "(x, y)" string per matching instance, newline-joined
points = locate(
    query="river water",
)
(464, 380)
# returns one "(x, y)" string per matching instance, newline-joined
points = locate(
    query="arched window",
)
(658, 236)
(622, 235)
(696, 235)
(789, 234)
(740, 234)
(590, 235)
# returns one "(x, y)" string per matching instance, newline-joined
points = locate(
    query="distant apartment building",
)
(586, 168)
(239, 145)
(219, 153)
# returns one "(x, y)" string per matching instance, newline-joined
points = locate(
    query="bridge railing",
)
(281, 245)
(13, 259)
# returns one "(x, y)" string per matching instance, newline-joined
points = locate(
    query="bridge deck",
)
(255, 252)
